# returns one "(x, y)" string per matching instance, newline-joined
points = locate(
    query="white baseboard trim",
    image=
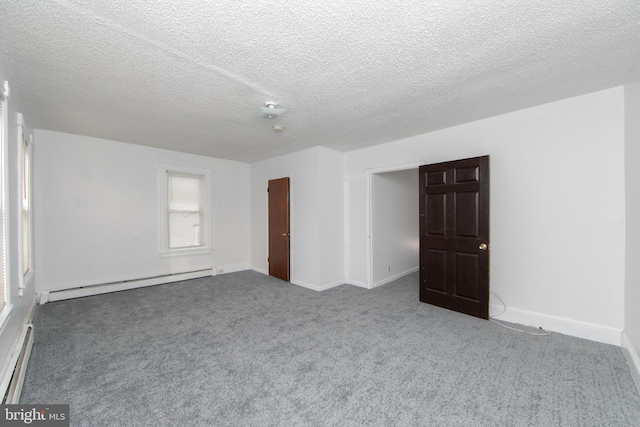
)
(43, 297)
(574, 328)
(63, 294)
(395, 277)
(317, 287)
(304, 284)
(259, 270)
(358, 284)
(230, 268)
(632, 358)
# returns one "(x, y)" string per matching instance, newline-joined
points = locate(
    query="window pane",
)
(185, 200)
(185, 230)
(25, 241)
(185, 192)
(26, 223)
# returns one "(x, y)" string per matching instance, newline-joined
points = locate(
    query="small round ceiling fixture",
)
(278, 128)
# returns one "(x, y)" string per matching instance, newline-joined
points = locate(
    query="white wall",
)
(632, 181)
(316, 215)
(395, 239)
(21, 305)
(330, 217)
(97, 212)
(557, 208)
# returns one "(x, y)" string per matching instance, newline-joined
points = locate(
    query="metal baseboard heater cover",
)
(13, 378)
(84, 291)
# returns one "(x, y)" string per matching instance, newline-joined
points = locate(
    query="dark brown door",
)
(454, 235)
(279, 228)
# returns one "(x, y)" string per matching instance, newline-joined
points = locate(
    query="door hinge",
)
(267, 259)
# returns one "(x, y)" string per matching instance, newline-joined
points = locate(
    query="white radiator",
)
(13, 378)
(84, 291)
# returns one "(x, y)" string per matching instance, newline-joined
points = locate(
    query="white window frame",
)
(163, 208)
(25, 142)
(5, 312)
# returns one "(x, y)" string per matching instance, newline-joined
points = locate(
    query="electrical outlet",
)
(388, 269)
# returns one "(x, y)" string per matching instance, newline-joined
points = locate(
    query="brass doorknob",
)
(483, 246)
(284, 234)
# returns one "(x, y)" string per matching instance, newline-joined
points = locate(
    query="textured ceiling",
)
(191, 75)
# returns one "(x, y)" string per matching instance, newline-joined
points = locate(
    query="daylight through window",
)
(185, 200)
(26, 202)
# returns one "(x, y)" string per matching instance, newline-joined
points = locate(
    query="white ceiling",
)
(191, 75)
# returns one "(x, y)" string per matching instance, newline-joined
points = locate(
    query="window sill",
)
(185, 252)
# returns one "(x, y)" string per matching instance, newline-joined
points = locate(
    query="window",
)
(3, 208)
(184, 210)
(185, 194)
(26, 203)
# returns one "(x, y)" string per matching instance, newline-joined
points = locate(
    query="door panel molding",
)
(454, 235)
(279, 230)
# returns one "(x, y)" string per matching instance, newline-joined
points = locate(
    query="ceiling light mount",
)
(270, 110)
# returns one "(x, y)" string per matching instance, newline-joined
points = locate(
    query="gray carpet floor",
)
(245, 349)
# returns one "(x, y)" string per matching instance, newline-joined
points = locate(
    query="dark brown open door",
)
(454, 235)
(279, 228)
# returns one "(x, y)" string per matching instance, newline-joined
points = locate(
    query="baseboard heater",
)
(103, 288)
(13, 378)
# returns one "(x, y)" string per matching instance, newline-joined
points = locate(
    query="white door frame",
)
(369, 197)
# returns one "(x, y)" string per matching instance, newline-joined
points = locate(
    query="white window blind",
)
(26, 202)
(185, 212)
(3, 275)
